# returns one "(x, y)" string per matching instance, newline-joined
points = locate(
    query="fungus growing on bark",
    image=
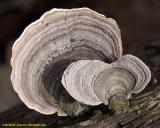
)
(85, 46)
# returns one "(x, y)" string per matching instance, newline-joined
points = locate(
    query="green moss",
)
(118, 103)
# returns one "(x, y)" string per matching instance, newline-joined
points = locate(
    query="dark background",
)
(137, 19)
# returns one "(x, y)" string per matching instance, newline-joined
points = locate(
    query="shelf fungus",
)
(70, 60)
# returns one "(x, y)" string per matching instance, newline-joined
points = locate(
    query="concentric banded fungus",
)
(46, 47)
(94, 82)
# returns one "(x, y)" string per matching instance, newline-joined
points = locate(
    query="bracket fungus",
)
(94, 82)
(81, 48)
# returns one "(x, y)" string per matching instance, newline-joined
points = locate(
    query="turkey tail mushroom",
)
(93, 82)
(47, 46)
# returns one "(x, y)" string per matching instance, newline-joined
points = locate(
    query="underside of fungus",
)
(85, 46)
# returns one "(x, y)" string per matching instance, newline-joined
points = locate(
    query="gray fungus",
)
(74, 56)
